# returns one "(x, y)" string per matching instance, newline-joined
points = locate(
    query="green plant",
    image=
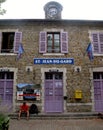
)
(4, 122)
(4, 118)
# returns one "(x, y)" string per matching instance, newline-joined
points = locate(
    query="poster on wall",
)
(19, 95)
(28, 92)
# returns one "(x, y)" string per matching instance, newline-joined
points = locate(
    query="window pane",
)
(49, 36)
(53, 42)
(49, 49)
(7, 42)
(56, 43)
(56, 50)
(49, 43)
(102, 75)
(2, 75)
(48, 76)
(56, 36)
(96, 75)
(10, 75)
(58, 76)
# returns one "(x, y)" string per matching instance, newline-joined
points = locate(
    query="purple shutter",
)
(42, 42)
(64, 42)
(0, 40)
(101, 42)
(17, 40)
(97, 40)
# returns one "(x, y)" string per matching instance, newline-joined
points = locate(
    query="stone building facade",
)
(78, 79)
(45, 62)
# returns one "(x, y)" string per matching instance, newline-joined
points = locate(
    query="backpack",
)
(33, 109)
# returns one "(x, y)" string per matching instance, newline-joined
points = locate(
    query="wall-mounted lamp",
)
(77, 69)
(29, 69)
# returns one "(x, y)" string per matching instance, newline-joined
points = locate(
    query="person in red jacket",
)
(24, 108)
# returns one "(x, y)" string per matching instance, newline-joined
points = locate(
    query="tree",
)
(2, 11)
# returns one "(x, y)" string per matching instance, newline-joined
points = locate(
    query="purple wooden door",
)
(6, 90)
(98, 91)
(53, 92)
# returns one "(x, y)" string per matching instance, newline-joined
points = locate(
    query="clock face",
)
(52, 12)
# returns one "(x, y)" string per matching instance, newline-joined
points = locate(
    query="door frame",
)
(98, 93)
(91, 70)
(64, 71)
(55, 103)
(14, 70)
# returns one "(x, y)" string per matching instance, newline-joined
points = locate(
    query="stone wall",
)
(78, 35)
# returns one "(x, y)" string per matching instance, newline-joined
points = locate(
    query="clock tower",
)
(53, 10)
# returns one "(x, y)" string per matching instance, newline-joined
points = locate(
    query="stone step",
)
(58, 116)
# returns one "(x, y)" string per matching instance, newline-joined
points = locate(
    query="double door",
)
(98, 91)
(6, 90)
(53, 92)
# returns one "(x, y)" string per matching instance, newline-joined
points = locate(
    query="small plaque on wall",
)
(19, 95)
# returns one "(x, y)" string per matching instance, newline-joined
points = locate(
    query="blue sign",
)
(53, 61)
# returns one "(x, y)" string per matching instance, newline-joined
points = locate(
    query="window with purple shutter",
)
(97, 41)
(101, 42)
(53, 42)
(42, 42)
(64, 42)
(17, 40)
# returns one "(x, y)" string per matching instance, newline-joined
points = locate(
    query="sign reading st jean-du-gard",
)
(53, 61)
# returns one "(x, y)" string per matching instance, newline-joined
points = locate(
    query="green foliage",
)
(2, 11)
(1, 1)
(4, 121)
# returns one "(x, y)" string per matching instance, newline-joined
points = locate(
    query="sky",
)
(72, 9)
